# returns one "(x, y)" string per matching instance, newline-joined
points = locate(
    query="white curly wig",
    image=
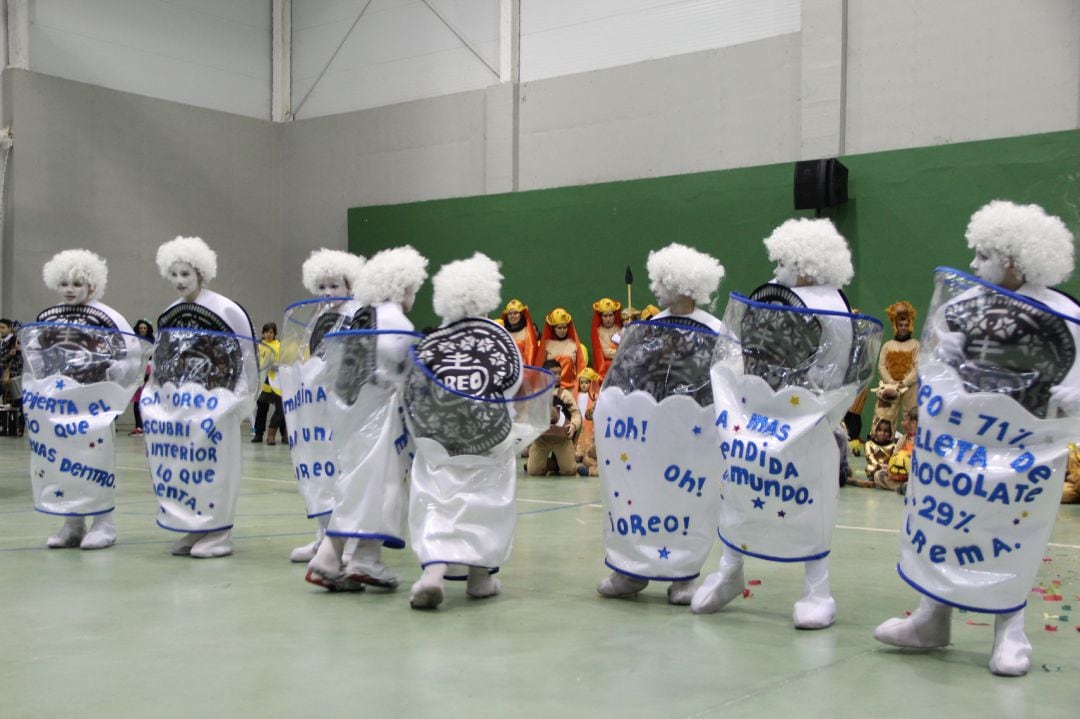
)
(1040, 245)
(681, 271)
(814, 248)
(77, 265)
(467, 288)
(191, 250)
(390, 276)
(325, 263)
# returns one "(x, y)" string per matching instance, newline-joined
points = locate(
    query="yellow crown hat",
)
(558, 316)
(588, 373)
(515, 306)
(606, 305)
(649, 311)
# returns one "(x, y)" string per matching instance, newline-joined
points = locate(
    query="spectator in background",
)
(553, 451)
(269, 356)
(143, 328)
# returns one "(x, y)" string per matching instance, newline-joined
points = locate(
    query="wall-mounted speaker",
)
(820, 183)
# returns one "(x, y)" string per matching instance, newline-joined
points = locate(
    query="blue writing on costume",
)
(628, 428)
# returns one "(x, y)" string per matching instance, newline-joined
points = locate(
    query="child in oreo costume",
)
(367, 363)
(999, 397)
(813, 263)
(329, 275)
(204, 382)
(469, 425)
(81, 355)
(658, 460)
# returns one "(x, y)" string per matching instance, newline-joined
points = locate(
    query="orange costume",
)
(524, 333)
(603, 348)
(898, 366)
(568, 351)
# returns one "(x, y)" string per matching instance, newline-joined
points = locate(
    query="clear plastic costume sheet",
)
(991, 449)
(782, 380)
(471, 407)
(76, 380)
(305, 391)
(373, 448)
(202, 385)
(658, 456)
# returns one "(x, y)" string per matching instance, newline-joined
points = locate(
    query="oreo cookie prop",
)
(991, 449)
(372, 448)
(657, 454)
(202, 385)
(305, 390)
(77, 379)
(471, 408)
(778, 397)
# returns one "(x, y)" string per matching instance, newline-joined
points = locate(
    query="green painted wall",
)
(570, 246)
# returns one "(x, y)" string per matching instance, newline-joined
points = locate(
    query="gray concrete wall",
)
(119, 174)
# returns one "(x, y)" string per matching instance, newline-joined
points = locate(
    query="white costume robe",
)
(204, 382)
(83, 364)
(657, 454)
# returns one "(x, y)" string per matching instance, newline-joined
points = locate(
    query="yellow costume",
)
(898, 367)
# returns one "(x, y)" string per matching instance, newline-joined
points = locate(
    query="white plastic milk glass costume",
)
(77, 379)
(657, 452)
(990, 453)
(305, 391)
(781, 380)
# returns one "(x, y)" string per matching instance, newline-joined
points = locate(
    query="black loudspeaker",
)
(820, 183)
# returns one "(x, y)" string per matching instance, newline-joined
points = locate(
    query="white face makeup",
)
(74, 291)
(331, 287)
(185, 280)
(787, 276)
(988, 266)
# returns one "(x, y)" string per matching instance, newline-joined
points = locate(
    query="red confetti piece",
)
(1052, 598)
(1047, 559)
(1056, 582)
(1050, 627)
(754, 582)
(907, 613)
(746, 594)
(1038, 590)
(1078, 627)
(974, 623)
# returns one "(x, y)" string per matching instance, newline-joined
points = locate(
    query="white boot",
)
(928, 627)
(325, 568)
(681, 593)
(427, 593)
(213, 544)
(816, 609)
(482, 583)
(366, 567)
(70, 534)
(102, 534)
(307, 552)
(182, 547)
(617, 584)
(1012, 650)
(721, 587)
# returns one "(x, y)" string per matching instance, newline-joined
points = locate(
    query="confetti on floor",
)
(746, 594)
(1050, 627)
(754, 582)
(1052, 597)
(974, 623)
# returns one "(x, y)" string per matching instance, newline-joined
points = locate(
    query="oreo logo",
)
(84, 356)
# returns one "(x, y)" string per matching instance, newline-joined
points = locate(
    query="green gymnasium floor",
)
(134, 632)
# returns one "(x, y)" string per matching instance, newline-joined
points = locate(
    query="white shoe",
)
(325, 569)
(681, 593)
(427, 593)
(70, 535)
(182, 547)
(928, 627)
(1012, 650)
(305, 553)
(619, 585)
(213, 544)
(482, 583)
(365, 566)
(102, 534)
(719, 588)
(816, 609)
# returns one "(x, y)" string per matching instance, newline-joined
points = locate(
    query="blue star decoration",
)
(1016, 521)
(781, 514)
(59, 493)
(697, 430)
(664, 552)
(759, 503)
(628, 468)
(59, 384)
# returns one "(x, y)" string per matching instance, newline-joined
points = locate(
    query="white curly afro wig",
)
(814, 248)
(390, 276)
(77, 265)
(1040, 245)
(191, 250)
(467, 288)
(681, 271)
(324, 263)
